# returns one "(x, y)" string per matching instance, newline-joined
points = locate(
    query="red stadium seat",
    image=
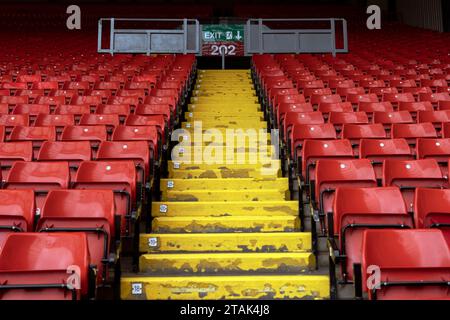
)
(411, 132)
(357, 98)
(119, 176)
(109, 120)
(88, 211)
(413, 264)
(11, 152)
(35, 266)
(356, 132)
(438, 149)
(302, 132)
(354, 211)
(332, 174)
(140, 133)
(16, 212)
(73, 152)
(379, 150)
(37, 135)
(397, 98)
(93, 134)
(123, 110)
(370, 107)
(435, 117)
(54, 120)
(38, 176)
(14, 120)
(432, 210)
(411, 174)
(136, 151)
(389, 118)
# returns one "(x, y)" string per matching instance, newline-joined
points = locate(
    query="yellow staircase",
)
(225, 229)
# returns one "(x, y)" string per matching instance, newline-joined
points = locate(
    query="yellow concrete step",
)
(226, 173)
(225, 287)
(175, 165)
(226, 195)
(224, 209)
(213, 100)
(225, 242)
(224, 184)
(226, 263)
(194, 116)
(225, 224)
(224, 93)
(210, 124)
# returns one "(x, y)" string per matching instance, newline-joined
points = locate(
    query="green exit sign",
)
(221, 39)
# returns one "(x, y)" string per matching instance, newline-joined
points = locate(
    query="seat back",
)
(358, 209)
(409, 262)
(411, 174)
(89, 211)
(38, 266)
(11, 152)
(16, 212)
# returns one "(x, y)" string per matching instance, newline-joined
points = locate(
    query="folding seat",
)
(345, 92)
(358, 98)
(284, 108)
(123, 110)
(411, 174)
(443, 89)
(397, 98)
(145, 78)
(434, 117)
(121, 78)
(119, 176)
(29, 78)
(332, 174)
(438, 149)
(91, 78)
(140, 93)
(88, 211)
(136, 151)
(155, 109)
(412, 264)
(411, 132)
(76, 110)
(335, 107)
(94, 134)
(315, 150)
(38, 176)
(37, 135)
(67, 94)
(80, 86)
(54, 120)
(140, 85)
(149, 134)
(338, 119)
(109, 120)
(335, 84)
(104, 94)
(47, 86)
(354, 211)
(162, 100)
(12, 86)
(309, 92)
(368, 84)
(74, 152)
(36, 266)
(60, 79)
(400, 84)
(51, 101)
(302, 132)
(434, 98)
(11, 152)
(310, 84)
(31, 94)
(154, 120)
(293, 118)
(10, 121)
(414, 107)
(31, 109)
(370, 107)
(14, 100)
(432, 210)
(379, 92)
(355, 132)
(16, 212)
(389, 118)
(92, 101)
(317, 99)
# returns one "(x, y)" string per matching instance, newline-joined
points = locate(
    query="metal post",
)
(99, 37)
(185, 29)
(260, 36)
(111, 38)
(222, 52)
(333, 37)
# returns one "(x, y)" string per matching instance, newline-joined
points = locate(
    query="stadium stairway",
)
(225, 227)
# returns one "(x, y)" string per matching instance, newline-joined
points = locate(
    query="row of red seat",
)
(362, 141)
(412, 264)
(66, 184)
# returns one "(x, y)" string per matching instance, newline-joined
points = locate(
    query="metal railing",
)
(183, 39)
(262, 39)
